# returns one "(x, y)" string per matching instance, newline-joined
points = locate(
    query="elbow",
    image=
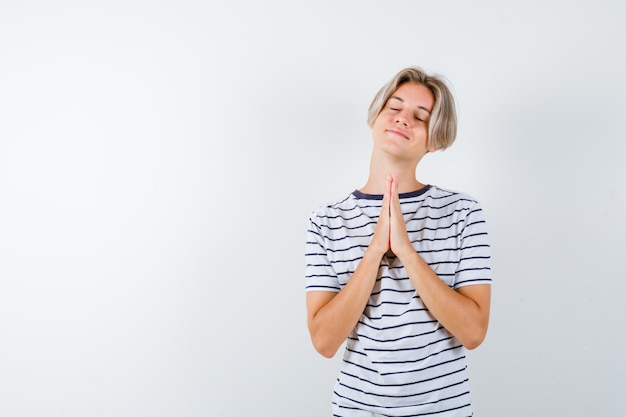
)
(327, 353)
(474, 339)
(324, 348)
(472, 344)
(322, 340)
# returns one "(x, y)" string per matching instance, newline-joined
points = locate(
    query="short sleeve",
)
(319, 273)
(475, 259)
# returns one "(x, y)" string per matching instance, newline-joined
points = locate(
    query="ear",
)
(430, 148)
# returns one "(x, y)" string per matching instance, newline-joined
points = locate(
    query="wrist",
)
(375, 253)
(406, 254)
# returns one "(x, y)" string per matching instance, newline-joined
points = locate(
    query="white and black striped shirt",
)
(399, 361)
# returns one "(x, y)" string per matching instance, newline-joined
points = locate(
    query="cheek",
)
(377, 125)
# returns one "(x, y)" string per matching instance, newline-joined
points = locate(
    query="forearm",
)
(331, 323)
(462, 316)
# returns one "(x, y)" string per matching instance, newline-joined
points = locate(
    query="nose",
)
(402, 119)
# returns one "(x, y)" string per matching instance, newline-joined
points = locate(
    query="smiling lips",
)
(398, 133)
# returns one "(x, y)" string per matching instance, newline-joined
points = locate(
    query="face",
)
(402, 125)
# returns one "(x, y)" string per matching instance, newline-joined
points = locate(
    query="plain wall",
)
(159, 160)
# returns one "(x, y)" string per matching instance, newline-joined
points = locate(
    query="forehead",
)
(414, 95)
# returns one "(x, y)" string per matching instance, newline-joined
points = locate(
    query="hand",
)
(399, 241)
(380, 241)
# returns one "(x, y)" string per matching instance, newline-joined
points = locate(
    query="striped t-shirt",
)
(399, 361)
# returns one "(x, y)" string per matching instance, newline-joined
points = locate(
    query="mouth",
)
(398, 133)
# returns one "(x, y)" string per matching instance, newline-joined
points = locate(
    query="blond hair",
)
(442, 124)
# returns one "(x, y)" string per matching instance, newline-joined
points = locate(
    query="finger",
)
(395, 208)
(394, 192)
(381, 236)
(387, 195)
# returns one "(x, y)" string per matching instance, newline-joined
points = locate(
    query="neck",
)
(402, 170)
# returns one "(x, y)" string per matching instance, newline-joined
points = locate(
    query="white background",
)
(159, 160)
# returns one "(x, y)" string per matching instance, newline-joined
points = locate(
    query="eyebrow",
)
(419, 107)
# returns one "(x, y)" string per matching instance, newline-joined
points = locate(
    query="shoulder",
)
(446, 203)
(334, 209)
(447, 196)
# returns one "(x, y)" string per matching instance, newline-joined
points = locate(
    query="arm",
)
(332, 316)
(463, 312)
